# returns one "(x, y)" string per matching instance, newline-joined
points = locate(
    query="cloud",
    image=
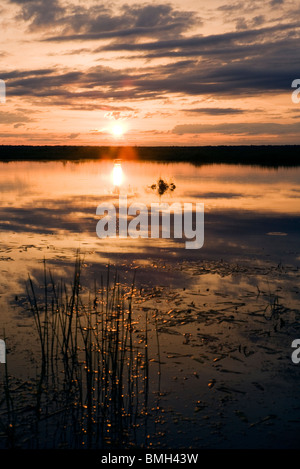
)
(247, 128)
(16, 118)
(243, 23)
(73, 136)
(224, 39)
(90, 88)
(215, 111)
(40, 13)
(234, 64)
(276, 2)
(102, 21)
(120, 115)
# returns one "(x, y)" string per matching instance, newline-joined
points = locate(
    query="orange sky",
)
(179, 73)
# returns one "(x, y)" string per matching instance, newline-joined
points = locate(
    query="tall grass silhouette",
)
(91, 387)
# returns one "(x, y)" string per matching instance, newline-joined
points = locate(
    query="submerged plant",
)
(162, 186)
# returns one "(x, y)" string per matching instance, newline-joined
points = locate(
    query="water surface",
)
(221, 341)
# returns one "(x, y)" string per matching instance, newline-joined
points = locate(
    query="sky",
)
(149, 73)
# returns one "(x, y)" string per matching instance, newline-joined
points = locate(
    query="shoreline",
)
(258, 155)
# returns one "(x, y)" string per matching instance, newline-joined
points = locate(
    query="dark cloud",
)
(40, 13)
(226, 53)
(226, 40)
(247, 76)
(73, 135)
(101, 21)
(215, 111)
(243, 23)
(16, 118)
(215, 195)
(231, 7)
(276, 2)
(248, 61)
(234, 64)
(247, 128)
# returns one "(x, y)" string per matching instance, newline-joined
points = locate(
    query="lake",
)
(212, 327)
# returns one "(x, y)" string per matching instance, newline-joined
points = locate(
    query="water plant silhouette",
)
(91, 389)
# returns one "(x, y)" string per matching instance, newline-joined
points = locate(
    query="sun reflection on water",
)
(117, 173)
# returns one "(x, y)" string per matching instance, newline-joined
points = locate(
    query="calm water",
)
(251, 252)
(47, 205)
(49, 210)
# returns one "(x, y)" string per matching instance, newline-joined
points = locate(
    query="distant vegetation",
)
(264, 155)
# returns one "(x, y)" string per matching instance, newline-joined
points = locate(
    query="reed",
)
(91, 367)
(8, 424)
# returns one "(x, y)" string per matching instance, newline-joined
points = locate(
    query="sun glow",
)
(118, 130)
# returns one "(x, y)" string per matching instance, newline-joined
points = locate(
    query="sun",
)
(118, 130)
